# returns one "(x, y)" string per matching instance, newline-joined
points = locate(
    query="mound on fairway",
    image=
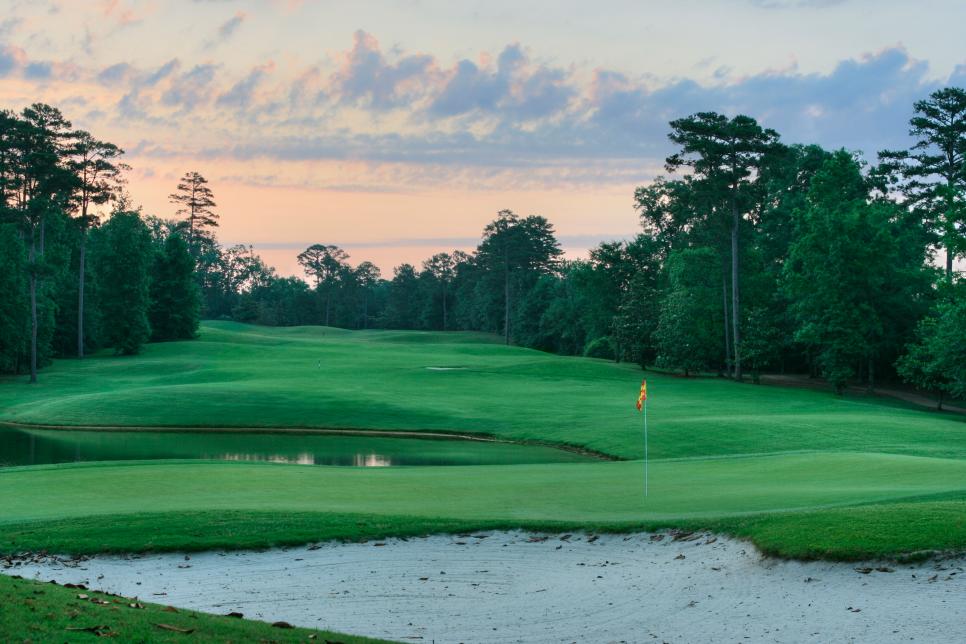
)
(790, 468)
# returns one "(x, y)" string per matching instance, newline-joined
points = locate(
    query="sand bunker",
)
(516, 587)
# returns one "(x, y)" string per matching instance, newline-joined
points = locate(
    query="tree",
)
(367, 275)
(849, 271)
(42, 186)
(175, 303)
(196, 202)
(325, 264)
(402, 308)
(936, 360)
(932, 173)
(14, 311)
(441, 267)
(98, 174)
(725, 154)
(122, 264)
(686, 334)
(517, 251)
(762, 343)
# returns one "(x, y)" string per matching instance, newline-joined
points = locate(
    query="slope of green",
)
(802, 473)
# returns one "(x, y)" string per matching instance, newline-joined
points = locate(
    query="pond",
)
(22, 446)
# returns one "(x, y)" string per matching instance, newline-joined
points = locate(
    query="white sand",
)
(509, 587)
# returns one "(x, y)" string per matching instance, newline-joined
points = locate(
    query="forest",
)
(754, 255)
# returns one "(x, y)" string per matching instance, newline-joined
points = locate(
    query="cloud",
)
(366, 77)
(11, 59)
(39, 70)
(116, 74)
(191, 89)
(514, 86)
(227, 29)
(241, 93)
(507, 112)
(230, 26)
(9, 26)
(162, 72)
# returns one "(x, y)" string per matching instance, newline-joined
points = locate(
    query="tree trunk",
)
(80, 291)
(365, 310)
(506, 296)
(949, 264)
(35, 254)
(871, 368)
(735, 309)
(328, 299)
(33, 323)
(444, 307)
(939, 405)
(727, 333)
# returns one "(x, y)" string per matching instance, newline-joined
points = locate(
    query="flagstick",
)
(645, 447)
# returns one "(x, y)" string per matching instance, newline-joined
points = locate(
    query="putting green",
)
(575, 492)
(801, 472)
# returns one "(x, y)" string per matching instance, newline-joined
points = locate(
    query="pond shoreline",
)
(332, 431)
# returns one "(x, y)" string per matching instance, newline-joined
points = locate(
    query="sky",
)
(397, 129)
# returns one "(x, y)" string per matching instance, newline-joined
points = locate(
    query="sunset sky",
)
(398, 129)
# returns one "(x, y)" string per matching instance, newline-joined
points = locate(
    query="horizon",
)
(419, 132)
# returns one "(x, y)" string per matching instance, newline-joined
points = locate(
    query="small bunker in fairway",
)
(446, 368)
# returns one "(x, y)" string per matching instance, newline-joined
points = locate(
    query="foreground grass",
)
(38, 612)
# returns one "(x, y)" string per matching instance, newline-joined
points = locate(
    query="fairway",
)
(803, 473)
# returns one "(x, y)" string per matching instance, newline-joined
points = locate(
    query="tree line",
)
(72, 283)
(754, 255)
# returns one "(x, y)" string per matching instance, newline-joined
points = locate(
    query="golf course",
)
(800, 473)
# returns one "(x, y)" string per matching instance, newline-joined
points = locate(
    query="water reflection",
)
(21, 446)
(372, 460)
(305, 458)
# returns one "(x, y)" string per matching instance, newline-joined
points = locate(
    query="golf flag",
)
(643, 395)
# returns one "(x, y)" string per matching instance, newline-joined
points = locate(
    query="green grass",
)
(243, 376)
(37, 612)
(801, 473)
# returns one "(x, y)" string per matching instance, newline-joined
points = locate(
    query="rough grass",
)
(37, 612)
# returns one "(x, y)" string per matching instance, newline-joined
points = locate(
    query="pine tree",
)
(196, 203)
(932, 173)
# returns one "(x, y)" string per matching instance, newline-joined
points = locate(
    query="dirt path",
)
(515, 587)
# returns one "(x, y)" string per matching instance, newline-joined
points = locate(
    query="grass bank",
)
(70, 614)
(842, 506)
